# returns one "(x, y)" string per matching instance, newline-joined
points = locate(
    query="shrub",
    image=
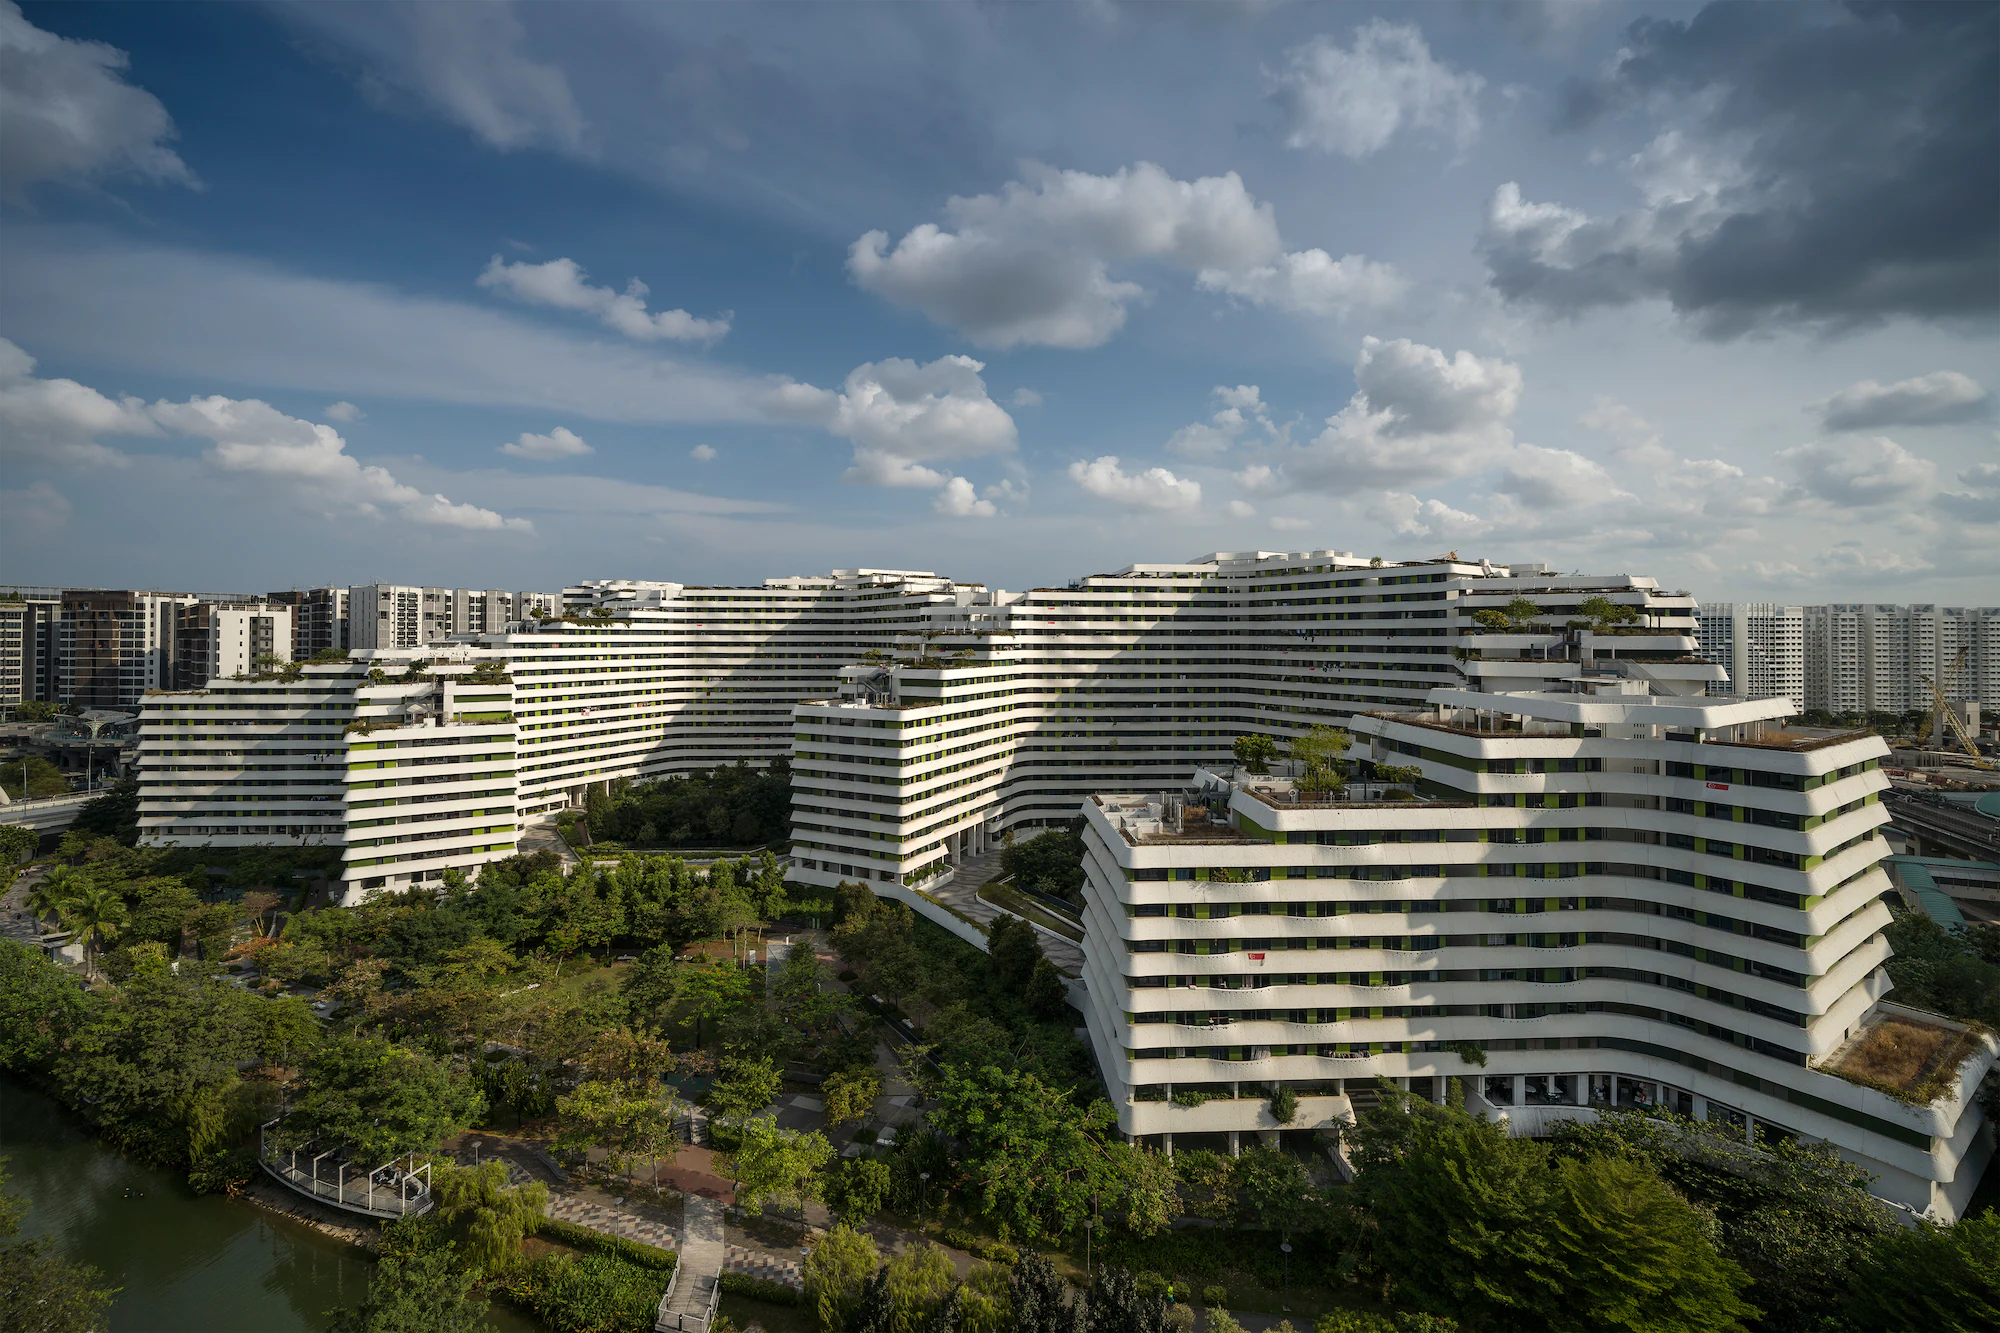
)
(594, 1293)
(600, 1242)
(1215, 1296)
(981, 1247)
(762, 1289)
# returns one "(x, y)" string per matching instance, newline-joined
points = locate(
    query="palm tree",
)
(52, 893)
(96, 912)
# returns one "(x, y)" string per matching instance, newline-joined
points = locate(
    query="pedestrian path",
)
(703, 1254)
(762, 1264)
(569, 1208)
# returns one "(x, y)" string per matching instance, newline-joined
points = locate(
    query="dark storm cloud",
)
(1864, 138)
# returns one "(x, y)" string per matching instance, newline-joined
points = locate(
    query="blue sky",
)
(304, 294)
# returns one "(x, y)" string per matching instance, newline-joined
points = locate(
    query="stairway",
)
(702, 1253)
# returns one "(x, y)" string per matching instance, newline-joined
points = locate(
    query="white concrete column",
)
(1520, 1090)
(1167, 1144)
(1700, 1107)
(1234, 1148)
(1438, 1090)
(1268, 1137)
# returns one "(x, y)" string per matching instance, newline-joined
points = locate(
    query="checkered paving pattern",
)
(762, 1264)
(599, 1218)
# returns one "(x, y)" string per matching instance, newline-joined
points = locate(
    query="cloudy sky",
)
(515, 296)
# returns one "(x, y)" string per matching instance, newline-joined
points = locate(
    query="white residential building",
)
(1130, 680)
(214, 639)
(1762, 646)
(1876, 657)
(1599, 895)
(382, 615)
(408, 775)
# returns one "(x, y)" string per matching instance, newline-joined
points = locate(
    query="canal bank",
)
(185, 1261)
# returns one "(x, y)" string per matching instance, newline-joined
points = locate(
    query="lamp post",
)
(924, 1199)
(1285, 1248)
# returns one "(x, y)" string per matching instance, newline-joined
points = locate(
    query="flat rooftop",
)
(1139, 819)
(1906, 1053)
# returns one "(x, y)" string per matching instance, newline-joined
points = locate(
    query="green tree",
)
(836, 1272)
(1603, 613)
(494, 1217)
(711, 992)
(40, 1291)
(17, 843)
(1458, 1218)
(1013, 948)
(771, 1163)
(35, 710)
(382, 1100)
(32, 777)
(918, 1280)
(1521, 612)
(1041, 1300)
(1636, 1257)
(1036, 1158)
(1051, 862)
(1945, 1279)
(291, 1031)
(745, 1087)
(850, 1094)
(419, 1286)
(1149, 1189)
(1047, 995)
(1320, 753)
(1284, 1104)
(1117, 1305)
(97, 913)
(155, 1067)
(1274, 1191)
(40, 1006)
(593, 1115)
(114, 814)
(858, 1188)
(1255, 752)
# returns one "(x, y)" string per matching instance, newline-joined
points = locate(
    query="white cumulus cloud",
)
(1556, 479)
(1353, 101)
(1416, 415)
(560, 283)
(70, 115)
(558, 443)
(900, 415)
(342, 411)
(251, 436)
(1936, 399)
(1313, 282)
(702, 453)
(1861, 472)
(1243, 408)
(1154, 489)
(960, 500)
(59, 420)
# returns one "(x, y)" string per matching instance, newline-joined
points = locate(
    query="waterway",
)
(188, 1263)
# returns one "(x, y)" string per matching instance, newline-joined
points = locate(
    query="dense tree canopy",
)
(1051, 862)
(732, 806)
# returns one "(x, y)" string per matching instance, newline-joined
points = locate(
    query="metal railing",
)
(687, 1321)
(395, 1189)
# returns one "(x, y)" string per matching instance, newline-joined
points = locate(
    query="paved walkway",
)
(961, 894)
(702, 1256)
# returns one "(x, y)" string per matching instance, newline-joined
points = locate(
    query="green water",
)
(188, 1263)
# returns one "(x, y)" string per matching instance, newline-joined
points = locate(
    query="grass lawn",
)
(1021, 905)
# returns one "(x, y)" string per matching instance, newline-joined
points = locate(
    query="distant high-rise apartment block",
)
(216, 640)
(319, 620)
(115, 644)
(382, 615)
(1762, 646)
(29, 636)
(1875, 657)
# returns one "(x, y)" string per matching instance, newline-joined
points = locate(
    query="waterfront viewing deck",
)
(389, 1191)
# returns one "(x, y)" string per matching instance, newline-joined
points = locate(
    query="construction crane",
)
(1941, 716)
